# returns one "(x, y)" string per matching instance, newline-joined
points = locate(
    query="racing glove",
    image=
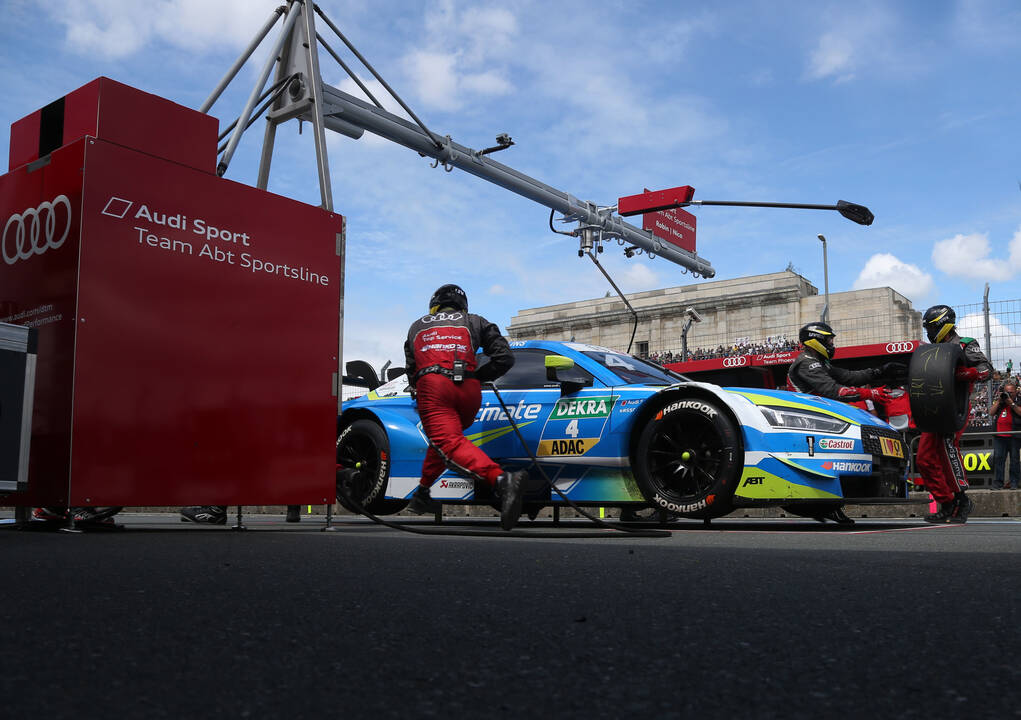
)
(894, 370)
(967, 373)
(863, 393)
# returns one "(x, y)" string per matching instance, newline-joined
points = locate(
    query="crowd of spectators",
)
(979, 415)
(741, 346)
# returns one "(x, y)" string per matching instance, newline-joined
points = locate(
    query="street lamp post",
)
(826, 280)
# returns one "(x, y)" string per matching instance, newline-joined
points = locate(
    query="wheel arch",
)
(657, 401)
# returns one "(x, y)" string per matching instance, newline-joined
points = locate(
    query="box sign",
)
(187, 332)
(675, 226)
(654, 200)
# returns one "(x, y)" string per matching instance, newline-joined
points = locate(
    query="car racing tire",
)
(939, 402)
(363, 445)
(689, 457)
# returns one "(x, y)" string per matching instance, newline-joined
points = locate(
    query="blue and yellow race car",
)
(610, 429)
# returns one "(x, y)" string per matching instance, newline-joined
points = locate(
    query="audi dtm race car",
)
(610, 429)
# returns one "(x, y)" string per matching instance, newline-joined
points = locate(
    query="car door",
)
(530, 399)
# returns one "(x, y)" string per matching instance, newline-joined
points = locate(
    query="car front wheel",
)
(689, 458)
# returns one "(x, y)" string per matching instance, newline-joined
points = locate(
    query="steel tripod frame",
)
(328, 108)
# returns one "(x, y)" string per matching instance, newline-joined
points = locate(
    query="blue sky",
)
(911, 108)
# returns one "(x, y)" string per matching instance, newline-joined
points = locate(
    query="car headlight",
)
(803, 420)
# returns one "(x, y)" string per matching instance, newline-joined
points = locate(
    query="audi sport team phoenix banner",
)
(188, 325)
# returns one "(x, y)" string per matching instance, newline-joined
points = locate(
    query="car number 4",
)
(572, 429)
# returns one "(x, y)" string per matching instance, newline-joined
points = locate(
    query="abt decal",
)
(836, 444)
(841, 466)
(593, 407)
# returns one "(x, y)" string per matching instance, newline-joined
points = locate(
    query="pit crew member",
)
(440, 356)
(811, 372)
(939, 455)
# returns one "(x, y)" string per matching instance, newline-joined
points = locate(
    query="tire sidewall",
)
(939, 402)
(376, 485)
(715, 500)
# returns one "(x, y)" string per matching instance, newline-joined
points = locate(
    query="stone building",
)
(749, 310)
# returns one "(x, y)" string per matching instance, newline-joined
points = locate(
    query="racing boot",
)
(963, 506)
(422, 502)
(943, 515)
(511, 488)
(51, 514)
(206, 514)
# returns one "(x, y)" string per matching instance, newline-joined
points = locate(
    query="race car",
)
(612, 430)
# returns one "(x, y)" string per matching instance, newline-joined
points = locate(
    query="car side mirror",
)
(554, 364)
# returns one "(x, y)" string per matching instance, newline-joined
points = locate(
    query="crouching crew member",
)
(812, 373)
(442, 369)
(939, 456)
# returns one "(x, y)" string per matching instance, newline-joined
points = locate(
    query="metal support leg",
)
(556, 514)
(22, 516)
(329, 518)
(241, 524)
(438, 515)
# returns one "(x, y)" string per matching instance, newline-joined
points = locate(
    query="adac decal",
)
(843, 466)
(587, 407)
(559, 448)
(977, 462)
(835, 444)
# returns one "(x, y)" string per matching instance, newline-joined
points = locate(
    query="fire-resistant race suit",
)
(812, 373)
(939, 456)
(441, 363)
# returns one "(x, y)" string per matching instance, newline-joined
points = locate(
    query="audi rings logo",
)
(36, 230)
(900, 347)
(733, 362)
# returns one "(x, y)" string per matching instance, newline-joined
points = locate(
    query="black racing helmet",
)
(819, 337)
(448, 296)
(939, 321)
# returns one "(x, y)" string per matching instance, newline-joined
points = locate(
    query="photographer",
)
(1008, 418)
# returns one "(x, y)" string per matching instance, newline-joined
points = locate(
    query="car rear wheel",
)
(689, 458)
(363, 446)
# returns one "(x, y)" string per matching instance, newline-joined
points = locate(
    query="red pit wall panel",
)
(197, 378)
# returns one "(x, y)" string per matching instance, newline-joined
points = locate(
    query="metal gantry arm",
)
(325, 107)
(343, 111)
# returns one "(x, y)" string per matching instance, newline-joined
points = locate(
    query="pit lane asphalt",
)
(749, 618)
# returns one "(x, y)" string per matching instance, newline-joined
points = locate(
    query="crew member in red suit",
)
(811, 372)
(443, 371)
(939, 456)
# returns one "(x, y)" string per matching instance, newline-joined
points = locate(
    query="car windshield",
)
(634, 371)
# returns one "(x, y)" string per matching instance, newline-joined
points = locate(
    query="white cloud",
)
(1005, 343)
(115, 29)
(967, 256)
(833, 56)
(497, 290)
(886, 270)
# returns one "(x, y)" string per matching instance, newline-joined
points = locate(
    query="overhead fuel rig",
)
(298, 92)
